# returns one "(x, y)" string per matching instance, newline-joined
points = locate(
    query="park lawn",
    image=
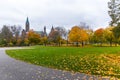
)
(103, 61)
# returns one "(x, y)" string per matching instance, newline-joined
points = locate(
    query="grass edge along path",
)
(104, 61)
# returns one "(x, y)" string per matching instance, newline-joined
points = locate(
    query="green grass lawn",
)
(103, 61)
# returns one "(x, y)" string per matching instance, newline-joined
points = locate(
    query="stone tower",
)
(52, 29)
(27, 25)
(45, 34)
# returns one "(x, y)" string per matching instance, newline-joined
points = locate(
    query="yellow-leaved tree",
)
(77, 35)
(109, 36)
(33, 37)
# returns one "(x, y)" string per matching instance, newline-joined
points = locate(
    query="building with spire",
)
(42, 33)
(45, 33)
(27, 25)
(52, 30)
(27, 28)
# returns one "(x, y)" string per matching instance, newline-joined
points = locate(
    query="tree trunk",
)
(82, 44)
(67, 42)
(110, 43)
(77, 44)
(101, 44)
(45, 43)
(59, 44)
(116, 44)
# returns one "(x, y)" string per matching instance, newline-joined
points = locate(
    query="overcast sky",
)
(65, 13)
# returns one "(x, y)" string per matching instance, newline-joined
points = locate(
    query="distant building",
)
(27, 28)
(27, 25)
(42, 33)
(23, 34)
(45, 33)
(52, 30)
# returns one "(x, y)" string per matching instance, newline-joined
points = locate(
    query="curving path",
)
(11, 69)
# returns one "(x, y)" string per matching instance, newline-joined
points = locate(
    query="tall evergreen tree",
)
(114, 12)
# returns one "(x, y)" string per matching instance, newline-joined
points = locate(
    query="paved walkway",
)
(11, 69)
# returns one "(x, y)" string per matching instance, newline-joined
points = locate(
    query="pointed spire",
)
(45, 34)
(27, 25)
(27, 21)
(44, 29)
(52, 28)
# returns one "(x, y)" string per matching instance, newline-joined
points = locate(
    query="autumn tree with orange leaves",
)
(77, 35)
(33, 37)
(99, 34)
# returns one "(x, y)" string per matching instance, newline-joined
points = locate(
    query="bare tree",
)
(62, 31)
(54, 36)
(16, 31)
(6, 34)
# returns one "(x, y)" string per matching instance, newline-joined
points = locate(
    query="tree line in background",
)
(13, 36)
(79, 35)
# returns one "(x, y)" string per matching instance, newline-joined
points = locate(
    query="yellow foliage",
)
(109, 33)
(77, 34)
(33, 37)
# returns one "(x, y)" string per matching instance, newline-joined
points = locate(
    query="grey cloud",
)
(54, 12)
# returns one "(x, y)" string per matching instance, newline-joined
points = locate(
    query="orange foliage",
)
(99, 32)
(78, 34)
(33, 37)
